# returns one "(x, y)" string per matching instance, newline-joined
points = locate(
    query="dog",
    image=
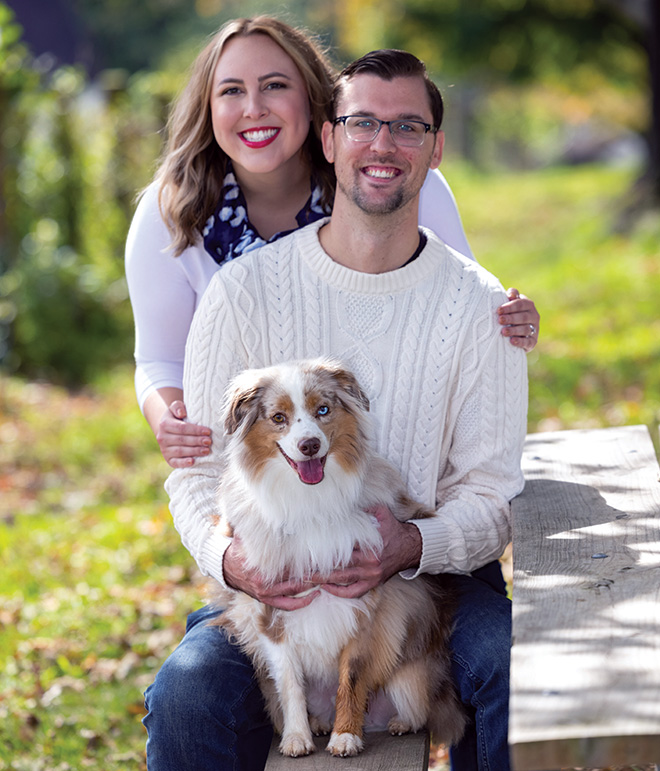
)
(299, 474)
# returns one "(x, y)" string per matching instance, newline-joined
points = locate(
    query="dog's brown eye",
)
(279, 418)
(323, 410)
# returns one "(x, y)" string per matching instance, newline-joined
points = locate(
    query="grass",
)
(550, 233)
(94, 583)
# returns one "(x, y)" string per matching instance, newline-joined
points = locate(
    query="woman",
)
(243, 165)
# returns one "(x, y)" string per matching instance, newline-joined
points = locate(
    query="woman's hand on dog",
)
(284, 594)
(181, 442)
(402, 549)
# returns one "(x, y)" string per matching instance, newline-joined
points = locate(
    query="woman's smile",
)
(259, 137)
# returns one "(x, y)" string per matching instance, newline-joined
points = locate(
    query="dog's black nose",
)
(309, 446)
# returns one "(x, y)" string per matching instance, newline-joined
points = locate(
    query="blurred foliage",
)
(147, 36)
(73, 156)
(522, 127)
(519, 39)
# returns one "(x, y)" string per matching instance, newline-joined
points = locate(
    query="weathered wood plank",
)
(586, 627)
(382, 752)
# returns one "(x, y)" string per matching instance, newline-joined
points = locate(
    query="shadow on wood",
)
(586, 631)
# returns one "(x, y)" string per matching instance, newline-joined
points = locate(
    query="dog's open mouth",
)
(310, 471)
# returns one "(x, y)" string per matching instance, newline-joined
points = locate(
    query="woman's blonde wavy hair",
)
(193, 166)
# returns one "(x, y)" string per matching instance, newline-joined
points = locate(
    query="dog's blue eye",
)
(323, 410)
(279, 418)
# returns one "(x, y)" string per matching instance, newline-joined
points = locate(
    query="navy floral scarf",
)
(228, 232)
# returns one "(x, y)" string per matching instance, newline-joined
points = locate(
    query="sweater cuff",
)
(435, 547)
(212, 556)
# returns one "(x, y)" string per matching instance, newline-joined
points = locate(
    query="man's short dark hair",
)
(389, 63)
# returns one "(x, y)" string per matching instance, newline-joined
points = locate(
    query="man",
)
(417, 323)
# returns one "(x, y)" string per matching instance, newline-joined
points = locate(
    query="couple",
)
(418, 324)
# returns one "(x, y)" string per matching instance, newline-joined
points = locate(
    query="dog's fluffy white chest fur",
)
(318, 633)
(315, 635)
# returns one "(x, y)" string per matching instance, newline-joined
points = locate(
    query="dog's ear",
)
(347, 382)
(242, 407)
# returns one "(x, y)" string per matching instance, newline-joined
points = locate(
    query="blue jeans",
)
(205, 711)
(481, 652)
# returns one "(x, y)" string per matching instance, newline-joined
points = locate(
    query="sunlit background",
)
(552, 152)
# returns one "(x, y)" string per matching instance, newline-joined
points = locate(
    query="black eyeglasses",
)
(407, 133)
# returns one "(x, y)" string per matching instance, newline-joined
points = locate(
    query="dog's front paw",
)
(345, 745)
(398, 727)
(319, 726)
(296, 745)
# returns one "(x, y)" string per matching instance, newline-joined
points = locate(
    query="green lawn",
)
(551, 234)
(95, 584)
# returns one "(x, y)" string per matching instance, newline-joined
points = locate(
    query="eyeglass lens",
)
(403, 132)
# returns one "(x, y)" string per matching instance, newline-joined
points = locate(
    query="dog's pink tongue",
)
(310, 471)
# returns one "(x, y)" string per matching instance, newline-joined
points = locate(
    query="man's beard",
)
(371, 204)
(396, 200)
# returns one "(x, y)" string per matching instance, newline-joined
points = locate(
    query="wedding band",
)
(532, 330)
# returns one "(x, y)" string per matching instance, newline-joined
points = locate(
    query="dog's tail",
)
(447, 716)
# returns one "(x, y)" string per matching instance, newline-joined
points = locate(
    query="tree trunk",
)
(654, 72)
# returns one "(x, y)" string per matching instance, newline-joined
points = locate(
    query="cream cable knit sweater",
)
(448, 393)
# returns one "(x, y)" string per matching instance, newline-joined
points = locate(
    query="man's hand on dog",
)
(284, 594)
(402, 549)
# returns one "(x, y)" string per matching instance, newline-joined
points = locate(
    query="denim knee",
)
(205, 709)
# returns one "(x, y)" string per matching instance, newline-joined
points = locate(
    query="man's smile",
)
(381, 172)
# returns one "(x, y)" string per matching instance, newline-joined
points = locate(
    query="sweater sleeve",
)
(212, 354)
(483, 469)
(162, 299)
(439, 213)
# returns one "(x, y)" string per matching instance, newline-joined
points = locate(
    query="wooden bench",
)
(585, 666)
(585, 688)
(382, 752)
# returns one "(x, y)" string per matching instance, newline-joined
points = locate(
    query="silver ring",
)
(532, 330)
